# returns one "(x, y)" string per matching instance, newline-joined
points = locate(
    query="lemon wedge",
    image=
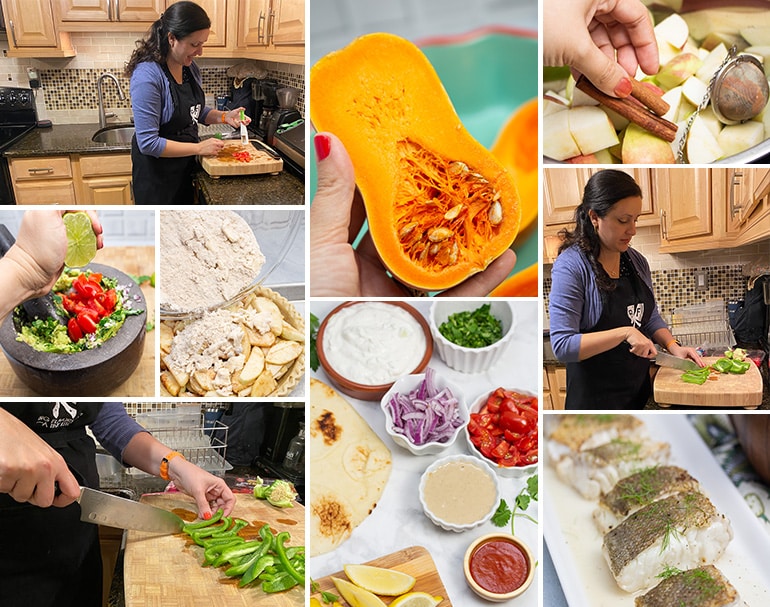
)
(386, 582)
(417, 599)
(356, 596)
(81, 240)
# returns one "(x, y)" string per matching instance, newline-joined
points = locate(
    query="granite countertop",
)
(281, 189)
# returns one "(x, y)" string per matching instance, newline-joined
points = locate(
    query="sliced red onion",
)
(425, 414)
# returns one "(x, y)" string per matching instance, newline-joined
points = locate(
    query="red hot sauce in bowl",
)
(499, 566)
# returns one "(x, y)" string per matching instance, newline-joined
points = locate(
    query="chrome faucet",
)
(100, 97)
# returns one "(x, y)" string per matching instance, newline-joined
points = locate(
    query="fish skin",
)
(646, 486)
(701, 587)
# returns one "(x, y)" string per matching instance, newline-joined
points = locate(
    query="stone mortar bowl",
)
(88, 373)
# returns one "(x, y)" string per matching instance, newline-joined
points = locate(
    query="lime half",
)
(81, 240)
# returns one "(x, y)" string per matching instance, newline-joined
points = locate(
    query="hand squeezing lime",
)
(81, 240)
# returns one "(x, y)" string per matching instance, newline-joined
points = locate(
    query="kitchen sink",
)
(114, 134)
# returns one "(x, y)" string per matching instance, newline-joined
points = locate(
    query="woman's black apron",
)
(49, 558)
(169, 180)
(616, 379)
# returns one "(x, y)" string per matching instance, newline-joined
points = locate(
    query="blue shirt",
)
(153, 105)
(576, 304)
(114, 428)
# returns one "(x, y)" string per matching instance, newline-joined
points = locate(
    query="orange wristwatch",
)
(164, 464)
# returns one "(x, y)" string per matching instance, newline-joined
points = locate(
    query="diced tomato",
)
(96, 277)
(501, 450)
(473, 426)
(87, 322)
(73, 330)
(514, 422)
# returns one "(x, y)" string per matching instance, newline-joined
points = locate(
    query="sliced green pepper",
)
(723, 365)
(739, 367)
(280, 551)
(281, 582)
(235, 552)
(201, 524)
(251, 558)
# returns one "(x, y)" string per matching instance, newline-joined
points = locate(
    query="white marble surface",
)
(398, 521)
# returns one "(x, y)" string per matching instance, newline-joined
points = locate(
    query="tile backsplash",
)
(674, 276)
(68, 86)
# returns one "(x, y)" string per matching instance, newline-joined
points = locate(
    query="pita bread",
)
(349, 467)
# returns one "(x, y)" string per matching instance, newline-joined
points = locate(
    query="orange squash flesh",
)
(521, 284)
(516, 147)
(440, 206)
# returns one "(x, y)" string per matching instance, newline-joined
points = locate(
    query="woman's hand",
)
(29, 467)
(233, 117)
(606, 40)
(210, 492)
(641, 345)
(685, 352)
(210, 146)
(336, 217)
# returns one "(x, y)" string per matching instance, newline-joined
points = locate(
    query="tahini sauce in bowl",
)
(365, 346)
(445, 497)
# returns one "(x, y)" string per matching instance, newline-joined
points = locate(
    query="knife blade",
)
(102, 508)
(664, 359)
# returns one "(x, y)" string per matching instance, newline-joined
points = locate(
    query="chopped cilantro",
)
(472, 329)
(314, 324)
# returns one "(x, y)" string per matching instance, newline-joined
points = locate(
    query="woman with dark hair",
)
(604, 322)
(168, 103)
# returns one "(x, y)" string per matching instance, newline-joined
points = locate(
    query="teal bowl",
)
(487, 73)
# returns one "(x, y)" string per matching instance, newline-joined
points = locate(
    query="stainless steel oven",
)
(17, 117)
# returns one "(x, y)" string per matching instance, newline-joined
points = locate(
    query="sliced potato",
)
(283, 352)
(264, 384)
(291, 333)
(169, 382)
(253, 367)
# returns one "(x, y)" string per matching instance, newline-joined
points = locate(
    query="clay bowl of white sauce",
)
(366, 346)
(445, 497)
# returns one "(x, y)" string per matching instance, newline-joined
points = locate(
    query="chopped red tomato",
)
(88, 302)
(73, 330)
(505, 428)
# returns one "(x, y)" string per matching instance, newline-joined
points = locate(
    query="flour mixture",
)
(206, 258)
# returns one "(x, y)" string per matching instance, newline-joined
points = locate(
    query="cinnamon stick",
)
(660, 127)
(648, 97)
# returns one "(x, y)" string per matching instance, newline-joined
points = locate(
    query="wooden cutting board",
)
(225, 163)
(416, 561)
(728, 390)
(166, 571)
(130, 260)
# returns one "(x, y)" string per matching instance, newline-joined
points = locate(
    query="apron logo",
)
(62, 415)
(635, 314)
(195, 111)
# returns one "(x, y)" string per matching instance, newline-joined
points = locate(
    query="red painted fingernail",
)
(207, 516)
(323, 145)
(623, 89)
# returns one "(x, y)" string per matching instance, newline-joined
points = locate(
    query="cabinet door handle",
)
(663, 230)
(13, 33)
(270, 26)
(40, 170)
(117, 10)
(260, 25)
(735, 209)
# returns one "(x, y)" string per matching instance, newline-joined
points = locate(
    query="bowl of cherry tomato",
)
(503, 430)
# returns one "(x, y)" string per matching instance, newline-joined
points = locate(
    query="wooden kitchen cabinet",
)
(547, 401)
(222, 24)
(684, 198)
(32, 30)
(103, 179)
(755, 222)
(556, 377)
(272, 30)
(121, 15)
(46, 180)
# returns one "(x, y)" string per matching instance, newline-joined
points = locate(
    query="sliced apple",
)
(618, 122)
(674, 99)
(712, 62)
(756, 35)
(642, 147)
(551, 106)
(674, 30)
(709, 118)
(679, 69)
(714, 39)
(727, 21)
(576, 96)
(591, 129)
(694, 90)
(739, 137)
(557, 140)
(702, 146)
(600, 157)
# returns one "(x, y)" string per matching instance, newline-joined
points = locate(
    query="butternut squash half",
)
(440, 206)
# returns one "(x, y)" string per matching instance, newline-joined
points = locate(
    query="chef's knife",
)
(112, 511)
(40, 307)
(667, 360)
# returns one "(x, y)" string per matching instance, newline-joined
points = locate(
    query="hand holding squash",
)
(336, 217)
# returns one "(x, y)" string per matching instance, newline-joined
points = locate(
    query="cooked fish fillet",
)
(568, 434)
(701, 587)
(597, 470)
(682, 531)
(638, 490)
